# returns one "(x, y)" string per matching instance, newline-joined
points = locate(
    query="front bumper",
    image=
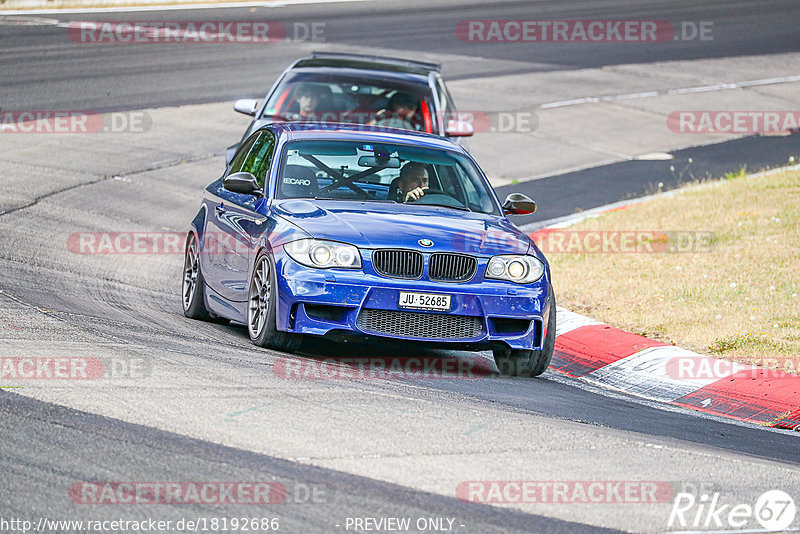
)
(483, 314)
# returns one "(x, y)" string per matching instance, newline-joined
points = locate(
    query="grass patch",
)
(735, 297)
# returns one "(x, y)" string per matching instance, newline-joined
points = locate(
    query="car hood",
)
(389, 225)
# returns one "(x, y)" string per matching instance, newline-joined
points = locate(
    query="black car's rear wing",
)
(336, 59)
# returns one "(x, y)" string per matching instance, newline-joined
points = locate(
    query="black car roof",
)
(334, 131)
(362, 61)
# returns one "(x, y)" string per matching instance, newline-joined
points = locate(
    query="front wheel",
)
(194, 305)
(262, 309)
(528, 363)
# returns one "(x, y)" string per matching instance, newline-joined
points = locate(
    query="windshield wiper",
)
(358, 200)
(461, 208)
(275, 116)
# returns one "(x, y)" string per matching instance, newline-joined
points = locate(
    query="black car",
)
(359, 89)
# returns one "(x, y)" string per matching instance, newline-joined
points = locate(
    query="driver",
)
(308, 99)
(413, 182)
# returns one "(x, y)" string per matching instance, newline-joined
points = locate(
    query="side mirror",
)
(243, 183)
(247, 106)
(458, 128)
(519, 204)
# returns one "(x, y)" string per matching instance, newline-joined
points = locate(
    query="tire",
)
(262, 308)
(529, 363)
(193, 285)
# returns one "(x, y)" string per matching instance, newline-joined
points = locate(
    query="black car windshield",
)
(356, 170)
(383, 102)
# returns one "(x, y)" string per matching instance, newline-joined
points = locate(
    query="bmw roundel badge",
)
(425, 242)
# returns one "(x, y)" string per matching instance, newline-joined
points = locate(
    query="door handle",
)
(221, 209)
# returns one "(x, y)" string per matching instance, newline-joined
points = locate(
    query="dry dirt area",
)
(714, 268)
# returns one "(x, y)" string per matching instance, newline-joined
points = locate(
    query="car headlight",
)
(323, 254)
(517, 269)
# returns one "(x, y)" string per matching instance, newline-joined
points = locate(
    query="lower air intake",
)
(420, 325)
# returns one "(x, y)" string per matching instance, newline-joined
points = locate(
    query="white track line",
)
(683, 91)
(175, 7)
(568, 220)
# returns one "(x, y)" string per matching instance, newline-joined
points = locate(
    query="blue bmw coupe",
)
(336, 230)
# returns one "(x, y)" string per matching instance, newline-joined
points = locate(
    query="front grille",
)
(451, 267)
(420, 325)
(398, 263)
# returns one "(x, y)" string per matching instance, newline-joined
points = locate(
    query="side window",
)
(445, 103)
(259, 158)
(243, 153)
(448, 181)
(444, 97)
(473, 197)
(459, 185)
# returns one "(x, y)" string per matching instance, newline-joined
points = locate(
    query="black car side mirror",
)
(248, 106)
(519, 204)
(243, 183)
(459, 128)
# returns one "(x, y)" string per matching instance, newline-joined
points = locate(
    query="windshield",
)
(354, 170)
(356, 100)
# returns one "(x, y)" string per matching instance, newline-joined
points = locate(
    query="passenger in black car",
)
(401, 113)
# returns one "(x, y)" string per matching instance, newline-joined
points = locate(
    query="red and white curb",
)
(603, 355)
(610, 357)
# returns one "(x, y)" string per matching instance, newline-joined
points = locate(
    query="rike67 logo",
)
(774, 511)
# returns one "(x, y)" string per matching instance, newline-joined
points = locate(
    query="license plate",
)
(424, 301)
